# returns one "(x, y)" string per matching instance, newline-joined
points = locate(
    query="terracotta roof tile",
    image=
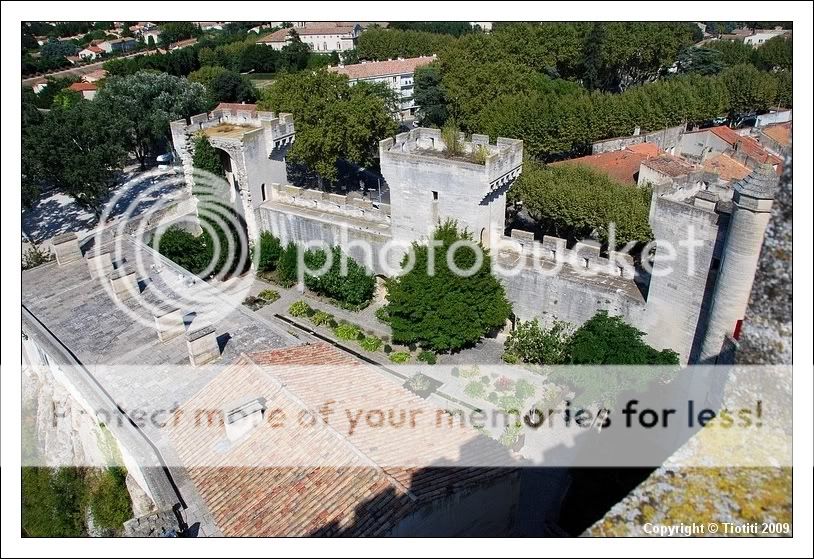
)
(726, 167)
(234, 107)
(287, 478)
(745, 144)
(383, 68)
(780, 133)
(82, 86)
(669, 165)
(622, 165)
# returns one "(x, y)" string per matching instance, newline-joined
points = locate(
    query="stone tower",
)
(427, 187)
(753, 197)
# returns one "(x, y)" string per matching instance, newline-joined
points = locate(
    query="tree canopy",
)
(147, 102)
(334, 120)
(446, 311)
(573, 201)
(76, 148)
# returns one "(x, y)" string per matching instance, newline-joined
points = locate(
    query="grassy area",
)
(56, 500)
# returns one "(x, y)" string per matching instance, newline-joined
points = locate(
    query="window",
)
(434, 195)
(263, 191)
(324, 46)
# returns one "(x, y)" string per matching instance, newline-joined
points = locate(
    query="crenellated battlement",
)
(501, 163)
(351, 205)
(584, 256)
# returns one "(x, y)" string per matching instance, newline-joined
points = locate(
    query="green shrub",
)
(320, 317)
(35, 256)
(428, 357)
(298, 308)
(353, 288)
(269, 295)
(400, 357)
(510, 404)
(183, 248)
(310, 311)
(287, 266)
(485, 379)
(110, 500)
(475, 390)
(270, 251)
(383, 314)
(531, 343)
(360, 336)
(371, 343)
(53, 502)
(524, 390)
(492, 398)
(511, 434)
(254, 303)
(510, 358)
(387, 349)
(347, 331)
(419, 382)
(332, 324)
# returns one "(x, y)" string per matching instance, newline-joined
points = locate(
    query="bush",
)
(319, 318)
(475, 390)
(110, 500)
(387, 349)
(347, 331)
(510, 358)
(270, 251)
(383, 314)
(511, 434)
(332, 323)
(254, 303)
(485, 379)
(418, 382)
(400, 357)
(269, 295)
(309, 312)
(298, 308)
(532, 343)
(287, 266)
(371, 343)
(354, 288)
(524, 390)
(53, 502)
(428, 357)
(360, 336)
(504, 384)
(183, 248)
(492, 398)
(34, 256)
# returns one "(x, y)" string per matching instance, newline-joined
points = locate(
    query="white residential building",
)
(119, 45)
(398, 74)
(762, 35)
(91, 53)
(323, 37)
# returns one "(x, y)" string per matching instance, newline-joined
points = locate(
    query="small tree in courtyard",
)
(446, 311)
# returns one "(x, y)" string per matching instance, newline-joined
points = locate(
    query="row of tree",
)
(78, 146)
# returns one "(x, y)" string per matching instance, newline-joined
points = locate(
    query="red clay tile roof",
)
(94, 48)
(746, 145)
(645, 149)
(291, 477)
(622, 165)
(780, 133)
(669, 165)
(726, 167)
(234, 107)
(383, 68)
(281, 35)
(82, 86)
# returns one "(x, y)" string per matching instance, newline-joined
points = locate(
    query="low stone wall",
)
(667, 140)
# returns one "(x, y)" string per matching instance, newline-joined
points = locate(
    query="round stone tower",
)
(753, 197)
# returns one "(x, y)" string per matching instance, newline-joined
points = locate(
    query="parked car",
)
(164, 161)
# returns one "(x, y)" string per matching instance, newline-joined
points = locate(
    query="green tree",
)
(750, 90)
(206, 157)
(287, 265)
(77, 149)
(608, 340)
(58, 49)
(429, 96)
(531, 343)
(334, 120)
(174, 31)
(294, 55)
(699, 60)
(446, 311)
(733, 52)
(573, 201)
(353, 287)
(270, 251)
(775, 54)
(147, 102)
(53, 502)
(183, 248)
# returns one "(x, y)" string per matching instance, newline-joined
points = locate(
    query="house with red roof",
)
(621, 165)
(88, 90)
(91, 52)
(700, 144)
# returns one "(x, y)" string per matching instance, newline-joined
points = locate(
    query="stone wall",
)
(667, 140)
(352, 222)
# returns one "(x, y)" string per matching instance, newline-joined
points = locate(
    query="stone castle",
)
(696, 310)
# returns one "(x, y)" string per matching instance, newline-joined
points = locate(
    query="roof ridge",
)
(345, 441)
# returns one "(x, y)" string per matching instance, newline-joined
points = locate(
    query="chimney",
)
(66, 248)
(100, 263)
(242, 419)
(202, 345)
(124, 284)
(169, 323)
